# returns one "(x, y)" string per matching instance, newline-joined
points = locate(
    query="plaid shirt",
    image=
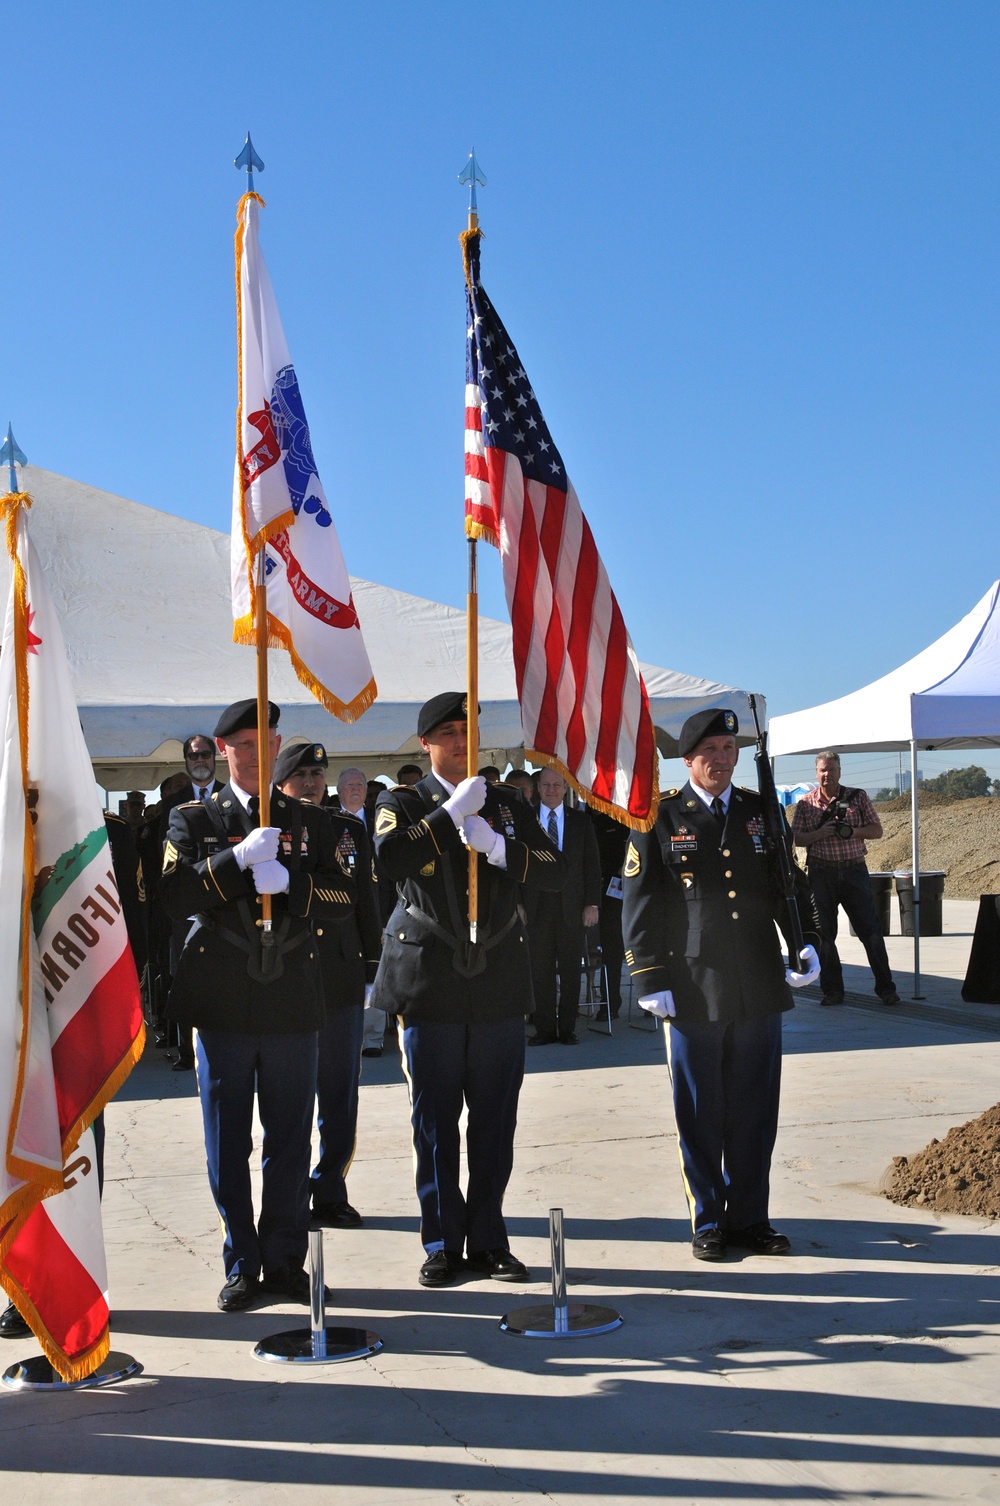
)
(809, 815)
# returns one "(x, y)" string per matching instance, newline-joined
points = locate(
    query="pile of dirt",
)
(960, 836)
(959, 1174)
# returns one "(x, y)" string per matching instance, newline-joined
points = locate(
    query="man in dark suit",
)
(349, 951)
(257, 1004)
(199, 765)
(462, 1003)
(556, 922)
(702, 894)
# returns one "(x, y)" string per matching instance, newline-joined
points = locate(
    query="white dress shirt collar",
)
(707, 798)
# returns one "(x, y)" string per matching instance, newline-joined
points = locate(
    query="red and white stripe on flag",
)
(584, 707)
(280, 507)
(70, 1016)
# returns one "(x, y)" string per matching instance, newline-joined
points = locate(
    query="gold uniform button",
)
(201, 949)
(725, 852)
(732, 894)
(736, 914)
(402, 935)
(319, 932)
(683, 859)
(729, 873)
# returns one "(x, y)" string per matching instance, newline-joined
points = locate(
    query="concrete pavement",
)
(865, 1367)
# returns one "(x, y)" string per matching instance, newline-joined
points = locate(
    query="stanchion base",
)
(540, 1322)
(295, 1347)
(36, 1374)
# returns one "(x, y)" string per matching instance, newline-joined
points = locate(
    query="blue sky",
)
(747, 252)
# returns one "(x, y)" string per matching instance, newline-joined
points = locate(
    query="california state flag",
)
(280, 507)
(70, 1019)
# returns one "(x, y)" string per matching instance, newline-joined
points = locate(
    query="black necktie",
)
(253, 806)
(719, 812)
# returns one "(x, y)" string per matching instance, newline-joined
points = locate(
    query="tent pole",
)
(915, 828)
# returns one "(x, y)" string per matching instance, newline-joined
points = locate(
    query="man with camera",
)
(832, 823)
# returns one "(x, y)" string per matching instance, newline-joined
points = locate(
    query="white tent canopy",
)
(946, 697)
(145, 606)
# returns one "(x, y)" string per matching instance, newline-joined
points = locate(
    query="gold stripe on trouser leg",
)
(409, 1089)
(680, 1153)
(194, 1048)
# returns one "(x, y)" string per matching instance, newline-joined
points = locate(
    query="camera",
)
(837, 814)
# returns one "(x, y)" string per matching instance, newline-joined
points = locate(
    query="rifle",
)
(777, 830)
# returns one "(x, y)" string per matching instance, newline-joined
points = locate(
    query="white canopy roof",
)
(947, 697)
(145, 606)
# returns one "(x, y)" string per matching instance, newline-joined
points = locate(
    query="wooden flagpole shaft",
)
(472, 724)
(263, 714)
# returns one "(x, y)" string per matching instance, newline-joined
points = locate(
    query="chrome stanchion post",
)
(317, 1294)
(317, 1344)
(557, 1245)
(563, 1320)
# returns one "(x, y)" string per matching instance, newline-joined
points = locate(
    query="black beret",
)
(297, 756)
(714, 722)
(449, 706)
(242, 715)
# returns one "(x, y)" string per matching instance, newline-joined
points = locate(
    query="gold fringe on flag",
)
(637, 823)
(278, 636)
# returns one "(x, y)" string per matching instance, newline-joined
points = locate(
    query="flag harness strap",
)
(468, 957)
(252, 944)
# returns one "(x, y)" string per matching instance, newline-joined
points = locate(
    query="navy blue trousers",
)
(281, 1070)
(726, 1081)
(337, 1080)
(482, 1066)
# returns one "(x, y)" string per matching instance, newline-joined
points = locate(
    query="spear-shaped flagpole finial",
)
(472, 174)
(11, 455)
(248, 158)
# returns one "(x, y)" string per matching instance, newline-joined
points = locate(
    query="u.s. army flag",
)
(280, 507)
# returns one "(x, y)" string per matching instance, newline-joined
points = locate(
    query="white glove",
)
(661, 1004)
(270, 877)
(811, 962)
(479, 834)
(261, 846)
(369, 988)
(469, 797)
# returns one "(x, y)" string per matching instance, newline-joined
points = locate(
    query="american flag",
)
(584, 708)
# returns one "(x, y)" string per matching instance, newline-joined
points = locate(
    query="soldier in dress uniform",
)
(349, 952)
(257, 1007)
(462, 1005)
(701, 896)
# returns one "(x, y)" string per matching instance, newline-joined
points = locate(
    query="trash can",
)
(882, 895)
(931, 900)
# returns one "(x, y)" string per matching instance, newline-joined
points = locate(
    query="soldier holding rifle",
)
(702, 892)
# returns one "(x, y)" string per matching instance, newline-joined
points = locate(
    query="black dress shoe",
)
(569, 1039)
(831, 999)
(500, 1264)
(542, 1038)
(759, 1239)
(441, 1268)
(183, 1064)
(892, 998)
(371, 1051)
(709, 1245)
(12, 1325)
(291, 1281)
(336, 1215)
(238, 1293)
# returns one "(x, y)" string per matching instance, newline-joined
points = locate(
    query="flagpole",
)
(249, 159)
(471, 175)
